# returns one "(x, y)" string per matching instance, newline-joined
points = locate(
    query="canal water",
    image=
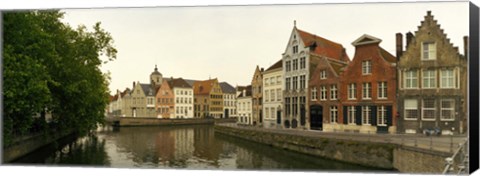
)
(181, 147)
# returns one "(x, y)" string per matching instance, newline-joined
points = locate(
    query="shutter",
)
(373, 116)
(345, 115)
(358, 115)
(389, 116)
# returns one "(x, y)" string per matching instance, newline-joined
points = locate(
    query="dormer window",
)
(429, 51)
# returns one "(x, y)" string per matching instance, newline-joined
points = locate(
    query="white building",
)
(183, 94)
(229, 100)
(272, 95)
(244, 106)
(297, 61)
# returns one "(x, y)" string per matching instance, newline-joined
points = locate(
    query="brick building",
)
(208, 99)
(432, 78)
(368, 90)
(257, 96)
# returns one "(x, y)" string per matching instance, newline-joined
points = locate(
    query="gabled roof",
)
(227, 88)
(387, 56)
(189, 81)
(125, 92)
(179, 82)
(203, 87)
(366, 39)
(147, 89)
(248, 91)
(322, 46)
(278, 64)
(337, 67)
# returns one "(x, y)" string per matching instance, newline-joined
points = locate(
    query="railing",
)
(458, 163)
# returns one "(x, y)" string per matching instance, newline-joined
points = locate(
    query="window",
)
(411, 109)
(333, 92)
(272, 114)
(352, 91)
(272, 95)
(366, 67)
(323, 91)
(323, 74)
(429, 51)
(266, 82)
(333, 114)
(429, 79)
(411, 79)
(382, 90)
(287, 106)
(447, 79)
(367, 91)
(279, 94)
(267, 113)
(266, 96)
(288, 67)
(382, 116)
(295, 49)
(366, 111)
(314, 94)
(287, 84)
(302, 63)
(428, 109)
(302, 82)
(279, 80)
(295, 64)
(295, 83)
(351, 114)
(447, 109)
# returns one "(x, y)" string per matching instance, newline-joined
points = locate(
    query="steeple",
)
(156, 78)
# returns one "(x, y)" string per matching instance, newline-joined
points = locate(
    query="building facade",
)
(208, 99)
(257, 96)
(165, 106)
(298, 64)
(229, 100)
(432, 78)
(272, 95)
(183, 95)
(324, 90)
(368, 90)
(245, 106)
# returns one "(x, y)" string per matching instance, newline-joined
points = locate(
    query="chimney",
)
(399, 44)
(409, 38)
(261, 70)
(465, 46)
(133, 84)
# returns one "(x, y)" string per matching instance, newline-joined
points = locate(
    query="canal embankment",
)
(24, 145)
(151, 121)
(383, 155)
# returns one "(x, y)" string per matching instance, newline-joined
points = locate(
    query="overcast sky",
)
(228, 42)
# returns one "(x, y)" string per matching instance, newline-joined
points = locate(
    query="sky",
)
(228, 42)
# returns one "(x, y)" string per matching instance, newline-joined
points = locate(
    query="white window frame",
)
(351, 114)
(279, 94)
(267, 95)
(352, 91)
(333, 92)
(314, 94)
(445, 109)
(333, 114)
(447, 77)
(367, 67)
(381, 116)
(424, 109)
(367, 91)
(411, 78)
(382, 90)
(323, 93)
(427, 75)
(323, 74)
(406, 108)
(431, 51)
(272, 95)
(366, 113)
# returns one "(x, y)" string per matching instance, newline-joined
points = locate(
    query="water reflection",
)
(193, 147)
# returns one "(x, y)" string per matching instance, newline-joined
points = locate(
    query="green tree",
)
(50, 66)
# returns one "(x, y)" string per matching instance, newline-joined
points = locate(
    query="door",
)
(316, 117)
(226, 113)
(279, 117)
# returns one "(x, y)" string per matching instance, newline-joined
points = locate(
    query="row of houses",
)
(175, 98)
(315, 85)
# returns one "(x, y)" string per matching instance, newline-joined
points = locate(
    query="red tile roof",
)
(203, 87)
(387, 56)
(323, 47)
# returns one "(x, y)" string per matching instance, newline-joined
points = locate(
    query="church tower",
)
(156, 78)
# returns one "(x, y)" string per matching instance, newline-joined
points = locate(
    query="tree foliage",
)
(49, 66)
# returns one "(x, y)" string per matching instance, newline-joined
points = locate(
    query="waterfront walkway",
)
(444, 143)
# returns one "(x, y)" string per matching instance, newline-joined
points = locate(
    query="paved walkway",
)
(436, 143)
